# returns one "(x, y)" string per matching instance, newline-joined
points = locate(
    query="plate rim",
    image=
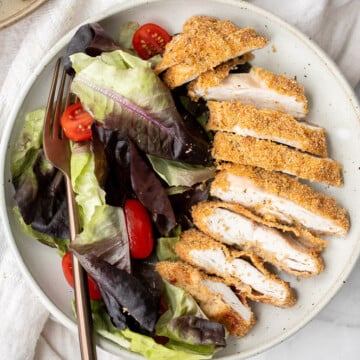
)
(50, 55)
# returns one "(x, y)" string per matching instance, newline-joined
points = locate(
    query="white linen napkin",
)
(333, 24)
(26, 330)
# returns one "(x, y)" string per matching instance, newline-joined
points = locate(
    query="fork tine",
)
(69, 96)
(58, 105)
(50, 102)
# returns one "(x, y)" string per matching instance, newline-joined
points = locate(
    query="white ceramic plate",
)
(332, 105)
(14, 10)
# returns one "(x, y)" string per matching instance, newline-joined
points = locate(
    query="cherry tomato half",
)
(149, 40)
(67, 266)
(76, 123)
(139, 229)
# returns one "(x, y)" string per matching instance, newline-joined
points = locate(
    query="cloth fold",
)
(21, 309)
(26, 331)
(333, 24)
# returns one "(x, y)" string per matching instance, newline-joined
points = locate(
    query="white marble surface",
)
(333, 334)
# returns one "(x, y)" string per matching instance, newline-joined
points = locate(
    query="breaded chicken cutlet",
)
(247, 120)
(281, 198)
(260, 88)
(234, 267)
(234, 225)
(271, 156)
(218, 302)
(203, 44)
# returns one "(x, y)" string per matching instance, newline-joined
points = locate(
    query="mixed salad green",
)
(146, 144)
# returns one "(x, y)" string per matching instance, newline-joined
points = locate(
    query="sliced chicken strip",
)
(247, 120)
(260, 88)
(235, 267)
(204, 43)
(271, 156)
(217, 301)
(245, 41)
(230, 225)
(181, 48)
(297, 235)
(281, 198)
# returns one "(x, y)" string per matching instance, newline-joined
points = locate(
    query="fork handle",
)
(82, 302)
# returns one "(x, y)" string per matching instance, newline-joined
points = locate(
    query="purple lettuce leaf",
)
(123, 294)
(129, 175)
(115, 147)
(90, 39)
(198, 331)
(150, 191)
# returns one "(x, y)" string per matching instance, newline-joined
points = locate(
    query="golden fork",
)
(57, 150)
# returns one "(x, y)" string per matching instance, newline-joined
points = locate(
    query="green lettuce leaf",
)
(123, 92)
(165, 248)
(139, 343)
(126, 33)
(29, 141)
(39, 187)
(89, 194)
(177, 173)
(104, 230)
(183, 305)
(180, 304)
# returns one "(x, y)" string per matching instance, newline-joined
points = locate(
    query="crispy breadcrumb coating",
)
(209, 57)
(275, 157)
(213, 305)
(266, 124)
(184, 47)
(209, 40)
(281, 84)
(204, 44)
